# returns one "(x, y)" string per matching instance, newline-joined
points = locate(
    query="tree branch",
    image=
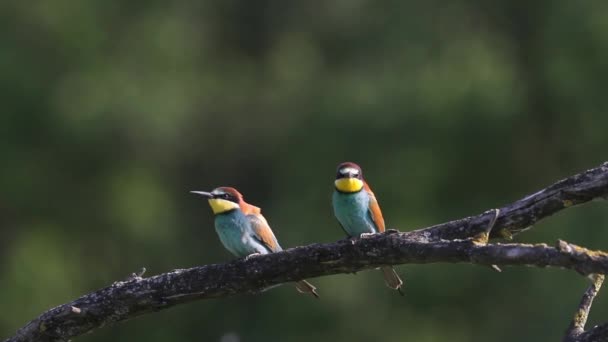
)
(577, 326)
(461, 241)
(595, 334)
(516, 217)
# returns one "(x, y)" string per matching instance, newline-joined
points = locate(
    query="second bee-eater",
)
(242, 228)
(357, 210)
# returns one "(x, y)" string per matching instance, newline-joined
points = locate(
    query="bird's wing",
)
(341, 226)
(263, 233)
(374, 209)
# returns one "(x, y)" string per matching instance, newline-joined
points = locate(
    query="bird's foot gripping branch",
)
(459, 241)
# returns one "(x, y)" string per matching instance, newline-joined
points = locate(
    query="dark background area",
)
(113, 110)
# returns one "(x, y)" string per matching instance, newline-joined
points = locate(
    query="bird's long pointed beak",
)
(203, 193)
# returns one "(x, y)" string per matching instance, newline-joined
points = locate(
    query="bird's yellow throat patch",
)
(221, 205)
(349, 184)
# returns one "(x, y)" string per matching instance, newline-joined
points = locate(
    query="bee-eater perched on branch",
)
(358, 212)
(242, 228)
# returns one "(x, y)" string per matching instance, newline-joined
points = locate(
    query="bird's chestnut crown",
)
(349, 177)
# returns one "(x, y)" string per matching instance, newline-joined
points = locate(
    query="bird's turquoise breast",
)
(352, 211)
(233, 228)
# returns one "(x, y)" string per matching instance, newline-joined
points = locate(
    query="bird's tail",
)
(392, 278)
(305, 287)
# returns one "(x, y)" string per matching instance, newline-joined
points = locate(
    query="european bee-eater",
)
(358, 212)
(242, 228)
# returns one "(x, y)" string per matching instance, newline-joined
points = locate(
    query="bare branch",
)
(577, 326)
(461, 241)
(124, 300)
(521, 215)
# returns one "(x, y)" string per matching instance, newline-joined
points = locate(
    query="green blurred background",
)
(113, 110)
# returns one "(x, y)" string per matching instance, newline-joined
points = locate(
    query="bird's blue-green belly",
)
(352, 211)
(233, 228)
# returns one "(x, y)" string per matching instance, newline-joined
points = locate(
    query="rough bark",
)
(518, 216)
(577, 326)
(595, 334)
(460, 241)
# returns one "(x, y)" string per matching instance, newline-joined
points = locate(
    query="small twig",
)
(496, 268)
(577, 326)
(136, 275)
(485, 236)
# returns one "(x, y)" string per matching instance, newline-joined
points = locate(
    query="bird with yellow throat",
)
(242, 228)
(358, 211)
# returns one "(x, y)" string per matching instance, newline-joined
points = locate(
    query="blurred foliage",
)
(114, 110)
